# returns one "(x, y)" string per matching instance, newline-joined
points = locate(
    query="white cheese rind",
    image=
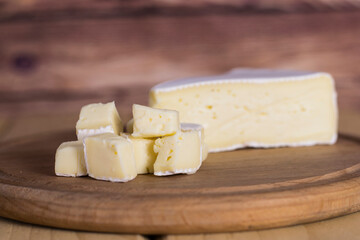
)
(111, 179)
(180, 171)
(83, 133)
(69, 175)
(262, 145)
(239, 76)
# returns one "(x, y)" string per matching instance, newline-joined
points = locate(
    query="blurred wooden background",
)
(58, 55)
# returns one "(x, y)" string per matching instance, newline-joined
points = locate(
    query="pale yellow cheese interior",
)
(110, 157)
(69, 159)
(267, 114)
(189, 127)
(98, 118)
(144, 153)
(151, 122)
(179, 153)
(205, 151)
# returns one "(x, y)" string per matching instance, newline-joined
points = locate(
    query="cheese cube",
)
(110, 157)
(187, 127)
(179, 153)
(143, 152)
(98, 118)
(152, 122)
(255, 108)
(69, 159)
(129, 126)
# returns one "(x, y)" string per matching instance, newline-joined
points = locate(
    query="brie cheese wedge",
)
(255, 108)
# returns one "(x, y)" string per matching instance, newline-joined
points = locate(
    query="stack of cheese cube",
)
(155, 142)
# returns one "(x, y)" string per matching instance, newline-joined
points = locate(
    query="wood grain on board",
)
(233, 191)
(346, 227)
(13, 230)
(342, 227)
(62, 64)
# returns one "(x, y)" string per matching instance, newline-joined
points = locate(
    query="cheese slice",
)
(255, 108)
(110, 157)
(143, 152)
(188, 127)
(98, 118)
(152, 122)
(69, 159)
(179, 153)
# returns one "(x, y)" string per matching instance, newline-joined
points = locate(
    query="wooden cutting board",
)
(233, 191)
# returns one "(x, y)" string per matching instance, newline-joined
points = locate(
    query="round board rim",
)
(329, 192)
